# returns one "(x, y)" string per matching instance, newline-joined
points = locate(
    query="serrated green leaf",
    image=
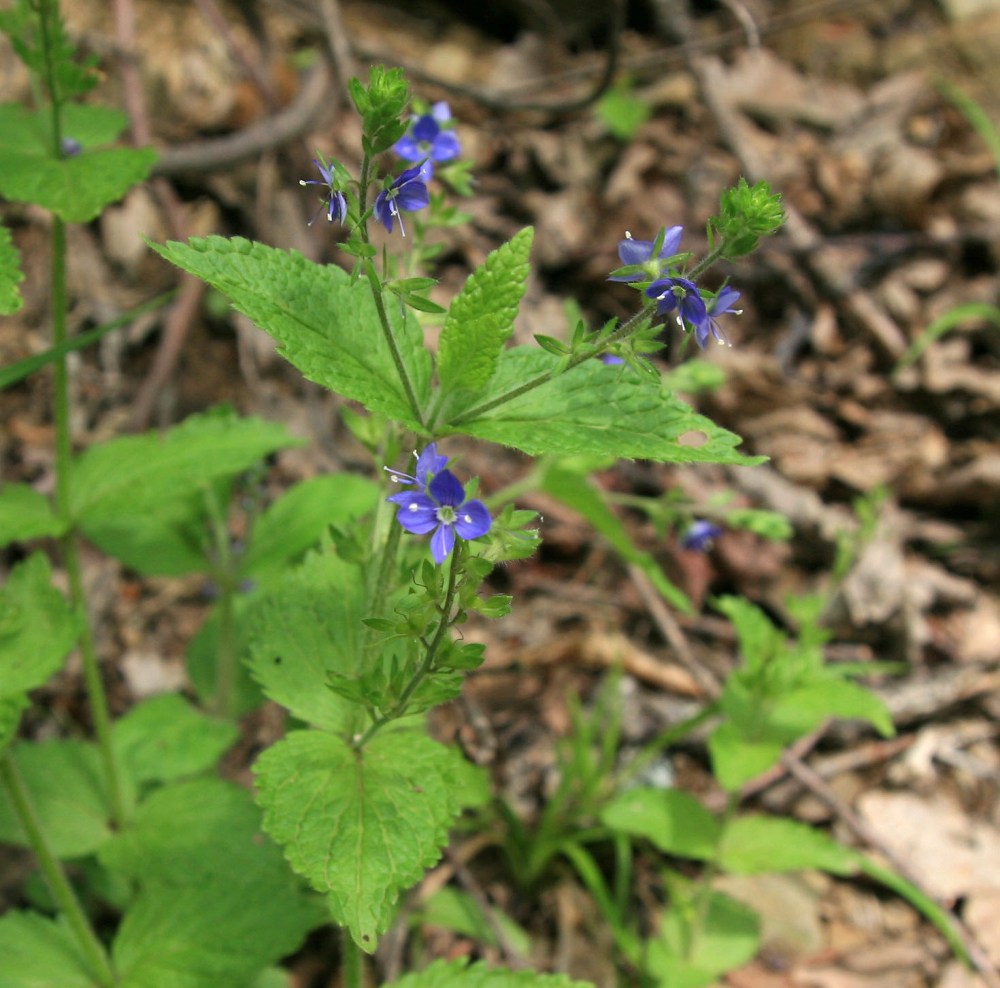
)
(674, 821)
(165, 738)
(11, 274)
(25, 514)
(361, 826)
(587, 410)
(760, 641)
(325, 323)
(76, 188)
(576, 492)
(481, 317)
(65, 782)
(37, 627)
(128, 475)
(459, 974)
(306, 627)
(297, 519)
(804, 707)
(39, 952)
(756, 844)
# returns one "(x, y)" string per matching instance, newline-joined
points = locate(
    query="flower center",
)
(446, 515)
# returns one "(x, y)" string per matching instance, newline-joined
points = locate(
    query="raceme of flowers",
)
(674, 293)
(439, 505)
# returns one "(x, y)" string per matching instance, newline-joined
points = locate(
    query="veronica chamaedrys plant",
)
(430, 137)
(360, 640)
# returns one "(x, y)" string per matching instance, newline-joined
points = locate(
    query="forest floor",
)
(859, 114)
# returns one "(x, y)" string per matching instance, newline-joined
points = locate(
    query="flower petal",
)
(407, 147)
(429, 462)
(417, 512)
(441, 111)
(634, 251)
(473, 519)
(446, 146)
(412, 196)
(426, 128)
(671, 241)
(442, 542)
(446, 489)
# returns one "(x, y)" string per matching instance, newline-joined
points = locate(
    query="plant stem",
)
(225, 576)
(94, 954)
(427, 664)
(376, 287)
(352, 967)
(622, 332)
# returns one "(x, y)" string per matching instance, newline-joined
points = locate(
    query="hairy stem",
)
(427, 664)
(223, 702)
(91, 948)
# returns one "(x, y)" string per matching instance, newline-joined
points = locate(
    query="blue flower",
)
(443, 510)
(721, 305)
(70, 147)
(700, 535)
(682, 295)
(611, 359)
(408, 191)
(333, 198)
(428, 141)
(640, 252)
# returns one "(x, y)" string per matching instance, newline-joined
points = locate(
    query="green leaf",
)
(296, 520)
(803, 708)
(361, 826)
(692, 951)
(760, 641)
(25, 514)
(166, 539)
(65, 782)
(326, 324)
(674, 821)
(304, 629)
(76, 189)
(736, 759)
(218, 902)
(458, 974)
(481, 317)
(39, 952)
(38, 627)
(128, 475)
(11, 274)
(11, 708)
(755, 844)
(587, 410)
(165, 738)
(577, 493)
(460, 912)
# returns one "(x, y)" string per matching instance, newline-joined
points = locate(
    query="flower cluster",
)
(439, 505)
(674, 293)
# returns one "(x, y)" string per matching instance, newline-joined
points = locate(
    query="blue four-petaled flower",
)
(636, 252)
(680, 294)
(428, 141)
(721, 305)
(407, 192)
(334, 200)
(439, 506)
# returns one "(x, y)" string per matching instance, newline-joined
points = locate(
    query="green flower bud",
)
(746, 213)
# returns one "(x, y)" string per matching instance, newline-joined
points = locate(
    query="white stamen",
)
(467, 519)
(413, 506)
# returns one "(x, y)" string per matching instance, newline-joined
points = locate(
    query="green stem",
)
(703, 900)
(223, 700)
(376, 287)
(94, 954)
(706, 262)
(622, 332)
(55, 103)
(427, 664)
(352, 964)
